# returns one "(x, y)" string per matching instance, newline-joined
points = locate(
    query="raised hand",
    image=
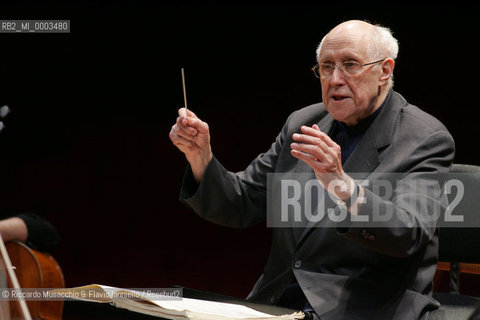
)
(192, 136)
(324, 156)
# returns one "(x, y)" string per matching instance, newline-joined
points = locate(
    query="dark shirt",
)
(349, 137)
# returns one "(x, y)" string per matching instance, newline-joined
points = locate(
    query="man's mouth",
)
(338, 97)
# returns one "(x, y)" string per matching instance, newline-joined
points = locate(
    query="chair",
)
(459, 253)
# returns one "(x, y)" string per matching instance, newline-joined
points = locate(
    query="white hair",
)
(381, 45)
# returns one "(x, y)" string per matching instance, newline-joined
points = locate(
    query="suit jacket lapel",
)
(326, 124)
(365, 158)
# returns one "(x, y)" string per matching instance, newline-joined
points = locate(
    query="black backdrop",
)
(87, 143)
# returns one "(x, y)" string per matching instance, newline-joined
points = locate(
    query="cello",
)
(35, 269)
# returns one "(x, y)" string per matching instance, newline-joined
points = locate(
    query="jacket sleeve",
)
(416, 203)
(233, 199)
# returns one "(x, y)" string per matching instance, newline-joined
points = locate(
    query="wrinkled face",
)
(350, 98)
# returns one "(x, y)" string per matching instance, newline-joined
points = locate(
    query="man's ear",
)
(387, 71)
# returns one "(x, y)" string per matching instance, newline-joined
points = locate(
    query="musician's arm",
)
(30, 229)
(13, 229)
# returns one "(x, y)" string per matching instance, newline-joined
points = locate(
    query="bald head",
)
(377, 41)
(354, 27)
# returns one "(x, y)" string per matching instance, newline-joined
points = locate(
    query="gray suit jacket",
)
(350, 272)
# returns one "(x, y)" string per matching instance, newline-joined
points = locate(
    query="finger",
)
(308, 158)
(199, 125)
(185, 127)
(189, 113)
(311, 131)
(178, 131)
(325, 137)
(316, 132)
(311, 140)
(318, 167)
(313, 150)
(322, 160)
(186, 132)
(179, 140)
(333, 147)
(192, 120)
(185, 135)
(182, 142)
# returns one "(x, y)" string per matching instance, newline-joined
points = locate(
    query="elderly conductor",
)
(362, 126)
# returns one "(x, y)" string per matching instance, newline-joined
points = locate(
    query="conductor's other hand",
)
(192, 136)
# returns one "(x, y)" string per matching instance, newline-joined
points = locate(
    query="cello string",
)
(13, 278)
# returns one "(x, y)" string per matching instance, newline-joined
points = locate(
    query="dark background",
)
(87, 145)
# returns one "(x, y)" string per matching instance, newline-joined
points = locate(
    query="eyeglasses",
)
(348, 68)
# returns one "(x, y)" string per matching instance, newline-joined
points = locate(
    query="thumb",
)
(184, 113)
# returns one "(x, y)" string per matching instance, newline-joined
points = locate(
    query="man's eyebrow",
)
(350, 57)
(326, 60)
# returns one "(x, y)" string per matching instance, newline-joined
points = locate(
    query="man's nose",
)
(337, 78)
